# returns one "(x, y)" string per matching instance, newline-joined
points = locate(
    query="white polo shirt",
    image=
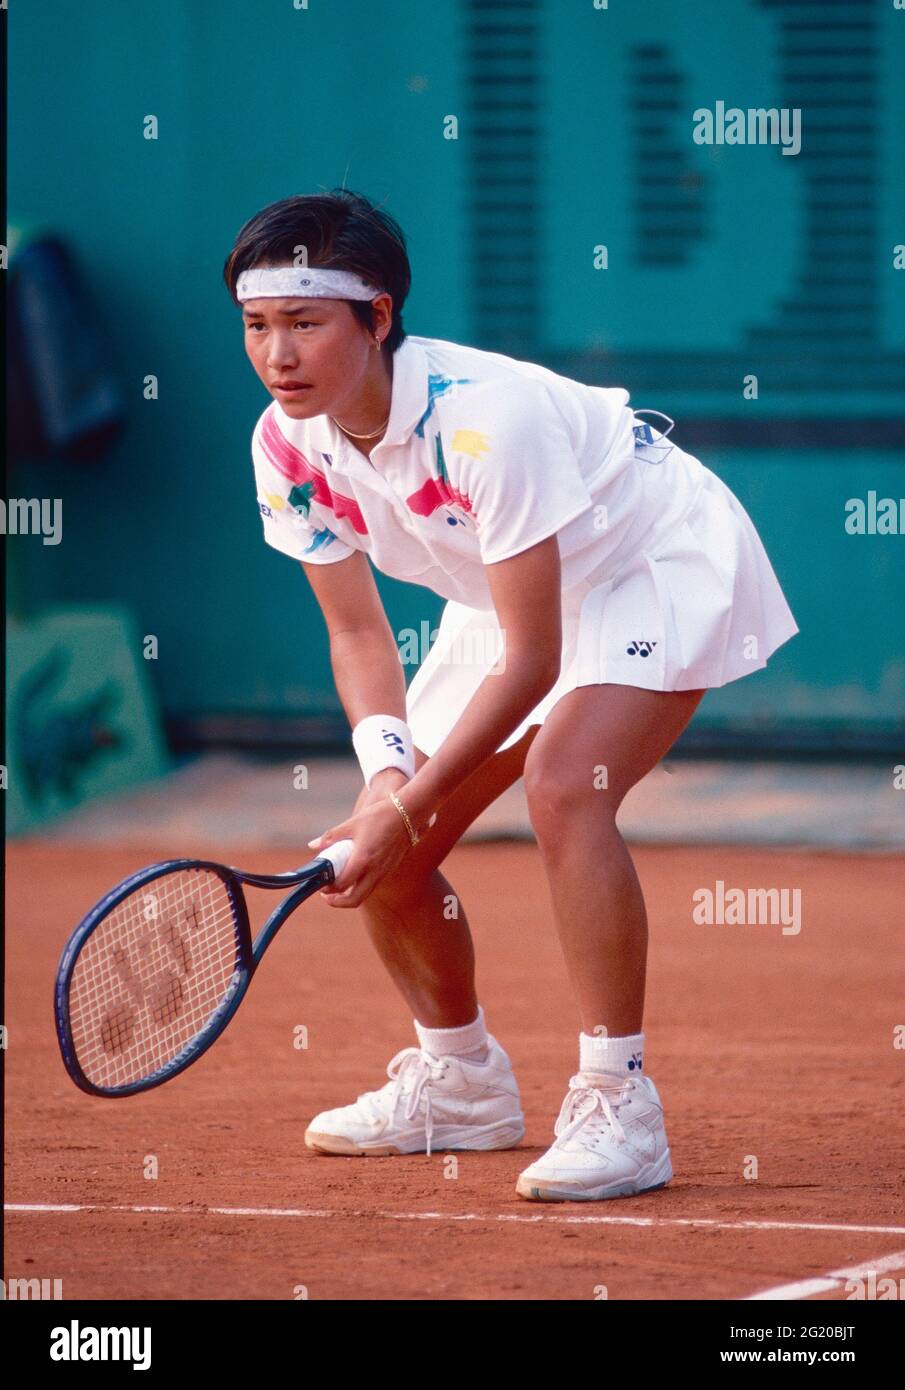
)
(484, 456)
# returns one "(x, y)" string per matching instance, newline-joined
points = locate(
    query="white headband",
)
(302, 281)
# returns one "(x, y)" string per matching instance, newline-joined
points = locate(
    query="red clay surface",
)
(781, 1047)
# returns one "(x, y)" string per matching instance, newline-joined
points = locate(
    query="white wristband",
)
(382, 740)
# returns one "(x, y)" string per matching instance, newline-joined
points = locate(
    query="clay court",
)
(764, 1044)
(569, 189)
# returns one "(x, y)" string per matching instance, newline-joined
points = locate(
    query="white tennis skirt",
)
(698, 608)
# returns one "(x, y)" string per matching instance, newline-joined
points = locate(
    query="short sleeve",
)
(286, 528)
(518, 469)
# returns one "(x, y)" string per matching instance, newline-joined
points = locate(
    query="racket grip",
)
(338, 854)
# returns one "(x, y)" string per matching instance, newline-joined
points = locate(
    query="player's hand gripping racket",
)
(155, 971)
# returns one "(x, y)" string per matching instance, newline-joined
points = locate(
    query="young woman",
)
(598, 581)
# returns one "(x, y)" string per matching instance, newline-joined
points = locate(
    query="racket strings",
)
(151, 974)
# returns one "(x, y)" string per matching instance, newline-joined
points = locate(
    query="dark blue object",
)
(63, 398)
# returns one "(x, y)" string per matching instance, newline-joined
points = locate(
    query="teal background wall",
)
(574, 132)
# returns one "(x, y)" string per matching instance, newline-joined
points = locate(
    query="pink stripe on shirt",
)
(291, 462)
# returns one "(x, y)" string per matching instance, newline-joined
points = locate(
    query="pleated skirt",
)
(694, 608)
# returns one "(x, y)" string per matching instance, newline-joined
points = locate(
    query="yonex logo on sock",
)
(635, 1062)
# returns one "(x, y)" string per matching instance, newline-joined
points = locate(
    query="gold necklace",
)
(362, 436)
(374, 433)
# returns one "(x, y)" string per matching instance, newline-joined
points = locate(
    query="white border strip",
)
(825, 1283)
(316, 1214)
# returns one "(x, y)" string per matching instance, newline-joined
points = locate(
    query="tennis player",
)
(598, 580)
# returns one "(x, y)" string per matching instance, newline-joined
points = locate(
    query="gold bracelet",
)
(413, 834)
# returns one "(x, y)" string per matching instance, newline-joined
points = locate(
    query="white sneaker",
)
(610, 1143)
(429, 1103)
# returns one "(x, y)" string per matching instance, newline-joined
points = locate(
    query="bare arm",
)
(363, 654)
(527, 597)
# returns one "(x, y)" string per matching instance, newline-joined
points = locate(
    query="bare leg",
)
(597, 899)
(411, 915)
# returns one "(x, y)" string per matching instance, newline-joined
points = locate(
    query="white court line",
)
(806, 1288)
(298, 1212)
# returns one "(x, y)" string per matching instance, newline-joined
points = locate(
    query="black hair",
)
(340, 230)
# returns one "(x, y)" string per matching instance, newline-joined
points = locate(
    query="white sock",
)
(621, 1056)
(470, 1040)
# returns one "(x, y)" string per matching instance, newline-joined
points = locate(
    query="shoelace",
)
(584, 1101)
(410, 1065)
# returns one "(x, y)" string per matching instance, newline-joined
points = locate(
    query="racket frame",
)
(317, 874)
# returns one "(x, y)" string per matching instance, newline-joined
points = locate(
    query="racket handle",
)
(338, 854)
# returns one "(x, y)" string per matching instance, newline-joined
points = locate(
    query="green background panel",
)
(81, 714)
(257, 102)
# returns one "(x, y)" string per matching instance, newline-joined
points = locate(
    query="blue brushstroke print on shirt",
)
(438, 386)
(319, 540)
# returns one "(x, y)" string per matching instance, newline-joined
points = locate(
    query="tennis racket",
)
(155, 971)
